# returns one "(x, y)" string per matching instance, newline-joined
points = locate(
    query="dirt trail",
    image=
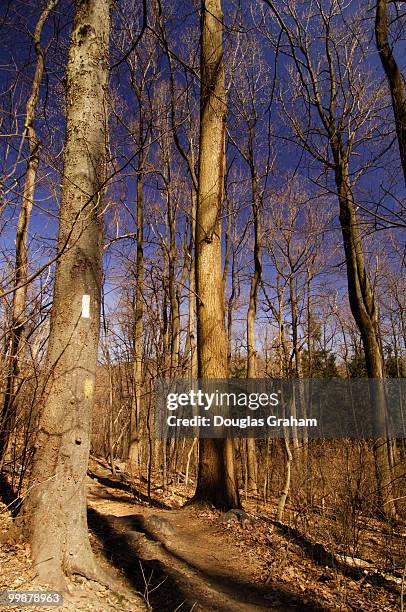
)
(190, 562)
(181, 560)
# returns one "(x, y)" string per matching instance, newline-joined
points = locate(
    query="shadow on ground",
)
(321, 556)
(170, 588)
(146, 576)
(114, 483)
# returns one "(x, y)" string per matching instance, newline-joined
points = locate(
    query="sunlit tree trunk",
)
(192, 296)
(216, 478)
(55, 508)
(136, 401)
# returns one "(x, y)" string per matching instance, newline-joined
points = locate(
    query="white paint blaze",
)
(86, 306)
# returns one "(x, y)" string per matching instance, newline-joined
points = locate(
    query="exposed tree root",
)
(91, 570)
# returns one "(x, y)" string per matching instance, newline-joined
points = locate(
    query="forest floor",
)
(168, 558)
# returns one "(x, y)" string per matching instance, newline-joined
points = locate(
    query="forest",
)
(195, 191)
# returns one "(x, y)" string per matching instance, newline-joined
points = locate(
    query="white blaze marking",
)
(86, 306)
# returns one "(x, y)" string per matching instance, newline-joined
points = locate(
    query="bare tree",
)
(336, 118)
(394, 76)
(249, 94)
(55, 508)
(139, 50)
(18, 314)
(216, 480)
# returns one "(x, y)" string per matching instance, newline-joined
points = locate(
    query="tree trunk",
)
(55, 508)
(111, 407)
(286, 486)
(394, 76)
(216, 479)
(295, 357)
(364, 310)
(252, 466)
(192, 295)
(298, 404)
(189, 455)
(18, 314)
(309, 331)
(133, 460)
(111, 390)
(173, 302)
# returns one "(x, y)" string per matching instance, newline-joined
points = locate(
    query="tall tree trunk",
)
(363, 308)
(295, 357)
(18, 314)
(286, 486)
(309, 306)
(55, 507)
(230, 302)
(192, 294)
(110, 436)
(298, 404)
(173, 302)
(134, 448)
(394, 76)
(216, 479)
(234, 293)
(252, 372)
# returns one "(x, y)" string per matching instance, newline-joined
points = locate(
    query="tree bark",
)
(54, 511)
(216, 479)
(394, 76)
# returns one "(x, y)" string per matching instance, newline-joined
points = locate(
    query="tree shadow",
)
(148, 577)
(94, 495)
(318, 553)
(175, 586)
(128, 488)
